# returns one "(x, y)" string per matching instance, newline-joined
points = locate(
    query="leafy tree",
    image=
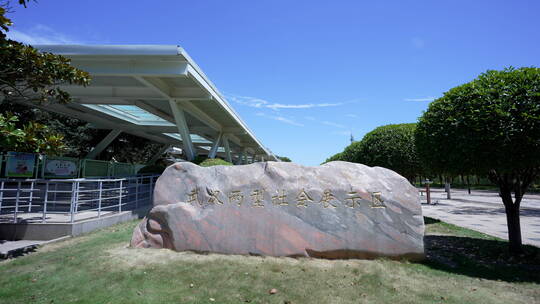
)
(27, 73)
(78, 136)
(337, 156)
(284, 159)
(352, 153)
(32, 137)
(392, 147)
(489, 126)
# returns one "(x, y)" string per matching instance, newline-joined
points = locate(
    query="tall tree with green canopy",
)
(392, 147)
(351, 153)
(489, 126)
(335, 157)
(26, 73)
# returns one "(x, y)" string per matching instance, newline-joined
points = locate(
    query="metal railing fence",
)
(39, 199)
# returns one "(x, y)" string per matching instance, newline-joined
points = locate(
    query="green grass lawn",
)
(462, 266)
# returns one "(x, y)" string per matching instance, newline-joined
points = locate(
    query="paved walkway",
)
(14, 248)
(484, 211)
(64, 217)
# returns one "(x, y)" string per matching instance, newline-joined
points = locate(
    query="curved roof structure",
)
(156, 92)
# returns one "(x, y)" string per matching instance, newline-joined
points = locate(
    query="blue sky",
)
(305, 75)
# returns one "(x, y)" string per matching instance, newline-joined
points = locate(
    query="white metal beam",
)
(157, 85)
(104, 123)
(227, 149)
(253, 157)
(130, 68)
(199, 114)
(183, 129)
(158, 154)
(145, 106)
(103, 144)
(215, 146)
(244, 157)
(94, 92)
(239, 158)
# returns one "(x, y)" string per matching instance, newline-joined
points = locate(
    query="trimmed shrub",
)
(209, 162)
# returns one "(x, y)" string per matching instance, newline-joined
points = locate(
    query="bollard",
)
(428, 192)
(45, 200)
(447, 189)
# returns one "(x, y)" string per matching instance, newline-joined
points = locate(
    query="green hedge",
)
(214, 162)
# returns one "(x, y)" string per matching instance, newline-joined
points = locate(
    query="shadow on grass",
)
(430, 220)
(480, 258)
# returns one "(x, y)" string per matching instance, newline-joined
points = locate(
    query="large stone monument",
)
(337, 210)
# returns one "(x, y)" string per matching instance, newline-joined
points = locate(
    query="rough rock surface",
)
(337, 210)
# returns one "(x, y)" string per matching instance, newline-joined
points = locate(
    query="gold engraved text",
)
(280, 199)
(303, 198)
(214, 199)
(376, 200)
(257, 196)
(353, 199)
(236, 197)
(193, 196)
(327, 197)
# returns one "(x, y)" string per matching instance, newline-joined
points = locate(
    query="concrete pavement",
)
(484, 211)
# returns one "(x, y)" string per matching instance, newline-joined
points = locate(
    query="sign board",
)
(20, 164)
(95, 168)
(60, 167)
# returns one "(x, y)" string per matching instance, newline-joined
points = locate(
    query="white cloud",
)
(351, 115)
(275, 106)
(420, 99)
(263, 105)
(256, 102)
(281, 118)
(40, 34)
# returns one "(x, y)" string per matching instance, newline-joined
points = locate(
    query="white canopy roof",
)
(156, 92)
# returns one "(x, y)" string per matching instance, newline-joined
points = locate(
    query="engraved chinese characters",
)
(302, 199)
(337, 210)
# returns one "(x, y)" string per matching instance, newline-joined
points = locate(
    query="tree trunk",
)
(513, 222)
(517, 182)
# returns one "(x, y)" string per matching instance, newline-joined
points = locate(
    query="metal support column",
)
(227, 147)
(215, 146)
(181, 123)
(158, 154)
(103, 144)
(244, 158)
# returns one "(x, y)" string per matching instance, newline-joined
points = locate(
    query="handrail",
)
(54, 196)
